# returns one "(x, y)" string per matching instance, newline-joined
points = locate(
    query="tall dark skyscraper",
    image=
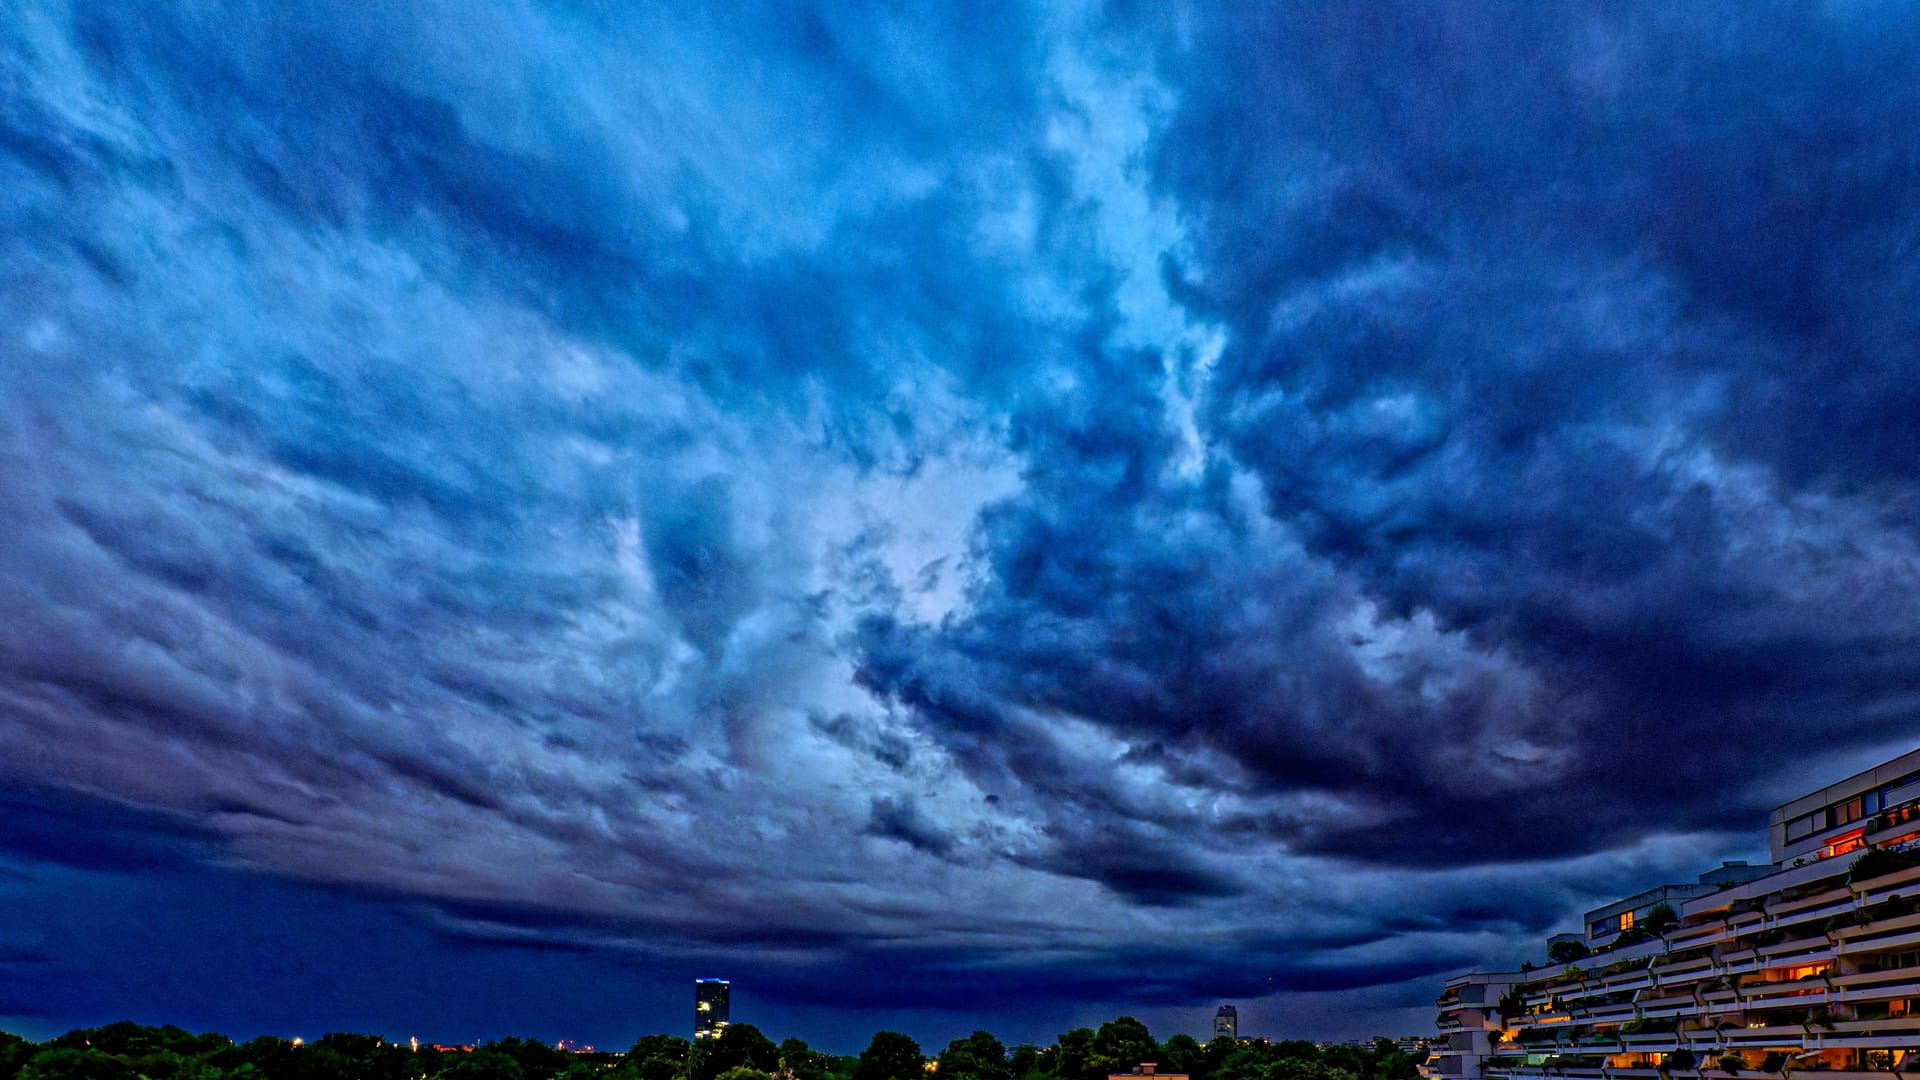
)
(1226, 1023)
(711, 1013)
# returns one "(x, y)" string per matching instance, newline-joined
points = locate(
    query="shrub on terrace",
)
(1632, 936)
(1875, 862)
(1566, 952)
(1646, 1025)
(1535, 1035)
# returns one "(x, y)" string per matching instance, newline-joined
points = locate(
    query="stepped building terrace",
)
(1808, 964)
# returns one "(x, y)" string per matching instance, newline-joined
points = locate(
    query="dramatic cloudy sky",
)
(981, 516)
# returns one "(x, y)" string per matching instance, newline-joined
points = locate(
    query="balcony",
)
(1791, 877)
(1799, 992)
(1864, 1041)
(1695, 967)
(1623, 982)
(1771, 1035)
(1904, 981)
(1801, 950)
(1700, 934)
(1875, 944)
(1819, 904)
(1545, 1072)
(1879, 927)
(1891, 1024)
(1884, 991)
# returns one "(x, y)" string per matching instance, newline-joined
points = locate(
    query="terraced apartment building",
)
(1809, 964)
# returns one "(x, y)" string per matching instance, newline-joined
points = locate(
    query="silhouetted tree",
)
(363, 1057)
(1025, 1061)
(979, 1056)
(739, 1046)
(657, 1057)
(1121, 1045)
(536, 1059)
(1182, 1054)
(1073, 1055)
(484, 1064)
(803, 1061)
(890, 1056)
(14, 1052)
(77, 1063)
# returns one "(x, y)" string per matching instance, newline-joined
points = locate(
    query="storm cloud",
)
(1068, 506)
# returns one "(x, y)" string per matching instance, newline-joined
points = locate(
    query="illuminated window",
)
(1843, 844)
(1900, 815)
(1626, 920)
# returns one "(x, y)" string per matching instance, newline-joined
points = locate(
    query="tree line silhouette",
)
(128, 1051)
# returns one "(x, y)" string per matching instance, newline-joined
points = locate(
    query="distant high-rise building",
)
(711, 1014)
(1226, 1023)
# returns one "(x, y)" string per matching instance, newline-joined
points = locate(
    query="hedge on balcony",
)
(1874, 862)
(1566, 952)
(1535, 1035)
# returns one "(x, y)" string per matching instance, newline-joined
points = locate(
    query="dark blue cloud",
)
(929, 507)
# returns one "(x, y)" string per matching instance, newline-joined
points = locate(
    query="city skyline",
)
(952, 518)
